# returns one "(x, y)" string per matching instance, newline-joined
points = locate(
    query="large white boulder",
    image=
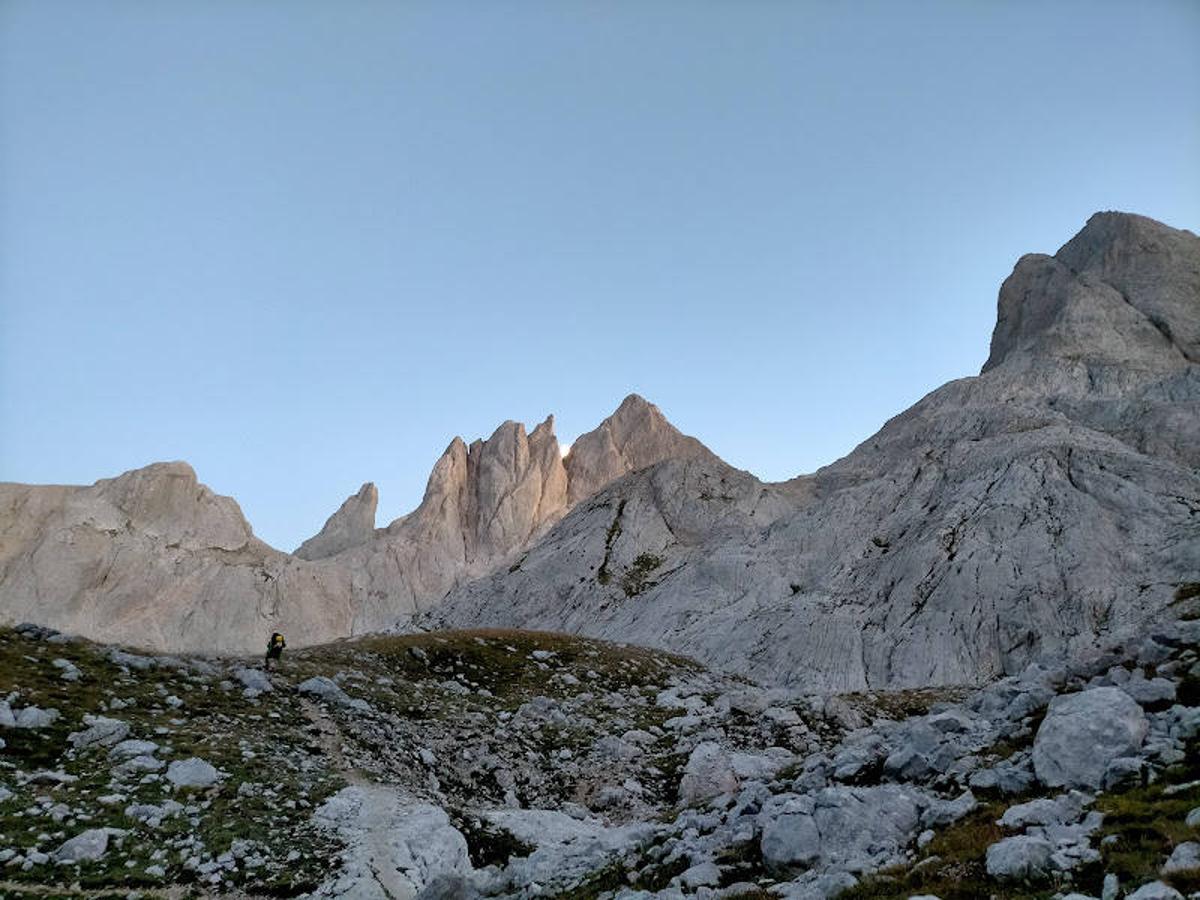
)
(1184, 858)
(394, 847)
(709, 773)
(1155, 890)
(851, 828)
(192, 773)
(1021, 858)
(1083, 732)
(86, 847)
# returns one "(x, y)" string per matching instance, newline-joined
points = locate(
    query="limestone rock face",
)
(1025, 511)
(486, 502)
(637, 435)
(351, 525)
(482, 503)
(516, 485)
(154, 558)
(1123, 290)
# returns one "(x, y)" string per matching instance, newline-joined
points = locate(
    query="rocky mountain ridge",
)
(154, 558)
(1026, 511)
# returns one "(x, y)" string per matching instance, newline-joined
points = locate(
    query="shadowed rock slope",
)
(1051, 499)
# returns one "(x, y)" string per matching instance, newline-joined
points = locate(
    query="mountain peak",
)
(352, 524)
(633, 403)
(635, 436)
(1124, 291)
(167, 500)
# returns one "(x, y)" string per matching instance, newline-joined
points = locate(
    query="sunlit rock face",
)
(155, 558)
(486, 502)
(1051, 499)
(634, 437)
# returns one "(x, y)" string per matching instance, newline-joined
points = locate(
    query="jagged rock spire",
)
(352, 524)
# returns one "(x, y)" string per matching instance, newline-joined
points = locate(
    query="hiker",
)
(275, 649)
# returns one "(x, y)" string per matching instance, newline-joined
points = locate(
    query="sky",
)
(301, 245)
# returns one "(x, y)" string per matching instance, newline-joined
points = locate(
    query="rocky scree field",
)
(521, 764)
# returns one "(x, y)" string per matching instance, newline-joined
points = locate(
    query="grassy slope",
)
(268, 747)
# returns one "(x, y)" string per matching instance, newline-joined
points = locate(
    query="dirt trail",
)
(331, 741)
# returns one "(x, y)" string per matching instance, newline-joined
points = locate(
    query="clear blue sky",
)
(303, 244)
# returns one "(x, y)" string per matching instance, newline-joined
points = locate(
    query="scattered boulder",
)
(255, 681)
(815, 886)
(1022, 858)
(709, 773)
(328, 690)
(86, 847)
(951, 721)
(616, 748)
(138, 765)
(705, 874)
(101, 732)
(850, 828)
(1149, 691)
(760, 766)
(128, 660)
(1045, 811)
(33, 717)
(1184, 858)
(70, 672)
(192, 773)
(1124, 772)
(1155, 890)
(391, 843)
(152, 814)
(1006, 777)
(130, 748)
(33, 632)
(1083, 732)
(940, 813)
(791, 839)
